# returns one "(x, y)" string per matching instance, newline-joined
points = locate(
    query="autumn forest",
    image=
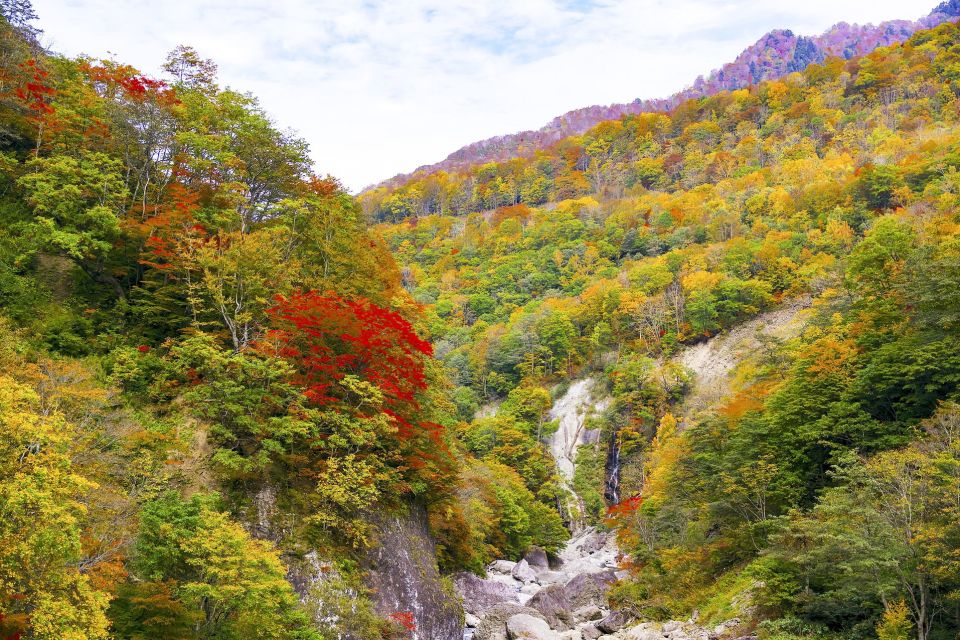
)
(690, 373)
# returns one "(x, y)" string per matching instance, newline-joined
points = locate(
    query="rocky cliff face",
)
(402, 574)
(571, 412)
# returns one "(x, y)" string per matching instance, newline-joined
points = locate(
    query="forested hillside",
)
(775, 55)
(211, 380)
(824, 488)
(238, 403)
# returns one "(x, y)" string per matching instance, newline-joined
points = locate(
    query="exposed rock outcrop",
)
(480, 595)
(713, 361)
(571, 412)
(403, 577)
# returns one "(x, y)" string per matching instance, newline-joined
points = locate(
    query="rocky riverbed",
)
(564, 597)
(564, 592)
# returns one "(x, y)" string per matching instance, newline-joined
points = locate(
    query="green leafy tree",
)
(234, 585)
(77, 203)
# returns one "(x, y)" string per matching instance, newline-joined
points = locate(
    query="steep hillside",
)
(773, 56)
(689, 375)
(754, 459)
(216, 410)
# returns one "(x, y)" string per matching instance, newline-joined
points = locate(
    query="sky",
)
(380, 87)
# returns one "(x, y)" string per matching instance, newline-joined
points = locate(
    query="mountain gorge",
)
(691, 373)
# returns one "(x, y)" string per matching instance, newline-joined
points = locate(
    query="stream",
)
(571, 412)
(588, 552)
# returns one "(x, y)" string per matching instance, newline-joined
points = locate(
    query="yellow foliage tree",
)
(42, 508)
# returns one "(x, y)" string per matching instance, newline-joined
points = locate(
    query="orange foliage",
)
(519, 211)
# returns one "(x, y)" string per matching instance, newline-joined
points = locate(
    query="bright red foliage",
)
(34, 92)
(330, 337)
(624, 508)
(125, 82)
(404, 619)
(327, 337)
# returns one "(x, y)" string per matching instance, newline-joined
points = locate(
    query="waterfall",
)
(571, 411)
(611, 487)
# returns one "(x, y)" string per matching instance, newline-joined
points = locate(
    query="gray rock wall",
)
(403, 577)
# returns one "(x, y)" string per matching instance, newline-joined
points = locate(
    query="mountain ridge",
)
(777, 53)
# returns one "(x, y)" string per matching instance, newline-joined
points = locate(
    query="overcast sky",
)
(379, 87)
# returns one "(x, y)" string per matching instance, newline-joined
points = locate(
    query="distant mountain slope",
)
(773, 56)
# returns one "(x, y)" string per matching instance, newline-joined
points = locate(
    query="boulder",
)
(526, 627)
(552, 577)
(537, 558)
(613, 622)
(501, 566)
(645, 631)
(554, 603)
(489, 633)
(587, 613)
(594, 542)
(590, 632)
(480, 595)
(523, 572)
(589, 588)
(470, 620)
(573, 634)
(506, 579)
(493, 626)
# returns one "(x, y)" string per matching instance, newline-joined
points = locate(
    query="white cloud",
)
(379, 87)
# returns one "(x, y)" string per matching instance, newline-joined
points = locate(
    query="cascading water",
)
(571, 412)
(588, 552)
(611, 486)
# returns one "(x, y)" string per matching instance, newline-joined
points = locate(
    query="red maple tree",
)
(330, 337)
